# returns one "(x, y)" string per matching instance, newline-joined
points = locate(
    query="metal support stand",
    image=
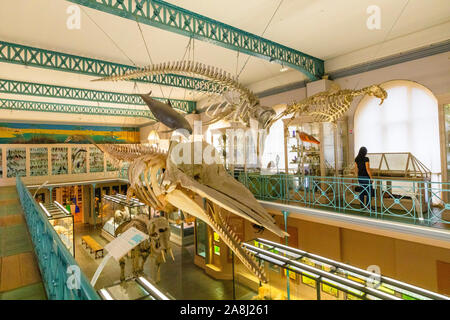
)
(93, 206)
(285, 215)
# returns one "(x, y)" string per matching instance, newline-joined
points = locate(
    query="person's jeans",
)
(366, 192)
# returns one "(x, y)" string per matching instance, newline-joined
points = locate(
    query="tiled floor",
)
(182, 279)
(19, 272)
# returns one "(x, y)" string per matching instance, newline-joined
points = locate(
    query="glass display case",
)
(181, 229)
(95, 160)
(201, 240)
(60, 162)
(398, 165)
(38, 161)
(16, 160)
(134, 289)
(79, 160)
(403, 183)
(116, 209)
(294, 274)
(62, 222)
(304, 149)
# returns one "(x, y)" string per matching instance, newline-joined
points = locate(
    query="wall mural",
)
(38, 162)
(79, 156)
(59, 161)
(16, 162)
(22, 133)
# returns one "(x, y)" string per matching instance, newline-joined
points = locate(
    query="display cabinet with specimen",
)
(59, 161)
(16, 163)
(38, 161)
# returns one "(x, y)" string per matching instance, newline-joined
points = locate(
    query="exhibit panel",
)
(16, 162)
(38, 163)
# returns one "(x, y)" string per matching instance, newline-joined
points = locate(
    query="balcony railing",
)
(408, 201)
(62, 277)
(419, 202)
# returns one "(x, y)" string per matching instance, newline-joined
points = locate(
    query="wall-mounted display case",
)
(48, 162)
(95, 160)
(62, 222)
(313, 148)
(79, 156)
(116, 209)
(60, 162)
(16, 160)
(110, 166)
(38, 161)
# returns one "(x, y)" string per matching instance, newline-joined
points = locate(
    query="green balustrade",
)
(62, 277)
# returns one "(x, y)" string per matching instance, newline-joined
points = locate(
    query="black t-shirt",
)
(361, 163)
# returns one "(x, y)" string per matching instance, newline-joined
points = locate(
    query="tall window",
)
(407, 121)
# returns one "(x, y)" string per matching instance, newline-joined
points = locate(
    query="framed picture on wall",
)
(79, 156)
(110, 166)
(95, 160)
(38, 161)
(16, 160)
(60, 161)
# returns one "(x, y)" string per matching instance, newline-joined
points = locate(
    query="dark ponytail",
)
(361, 154)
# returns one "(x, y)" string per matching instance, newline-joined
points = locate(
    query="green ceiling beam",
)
(22, 105)
(42, 58)
(169, 17)
(52, 91)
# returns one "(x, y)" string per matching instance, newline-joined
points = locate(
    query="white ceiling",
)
(334, 31)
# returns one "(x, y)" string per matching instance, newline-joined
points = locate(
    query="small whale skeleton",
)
(234, 102)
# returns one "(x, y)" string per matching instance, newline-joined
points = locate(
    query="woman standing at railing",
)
(362, 169)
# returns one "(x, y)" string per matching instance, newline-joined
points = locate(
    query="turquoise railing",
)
(59, 269)
(399, 200)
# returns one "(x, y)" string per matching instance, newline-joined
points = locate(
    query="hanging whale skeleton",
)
(161, 183)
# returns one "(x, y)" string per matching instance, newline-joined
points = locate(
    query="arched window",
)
(407, 121)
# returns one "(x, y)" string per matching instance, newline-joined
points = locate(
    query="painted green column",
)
(285, 215)
(93, 205)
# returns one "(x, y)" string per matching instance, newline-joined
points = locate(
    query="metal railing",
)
(408, 201)
(62, 277)
(400, 200)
